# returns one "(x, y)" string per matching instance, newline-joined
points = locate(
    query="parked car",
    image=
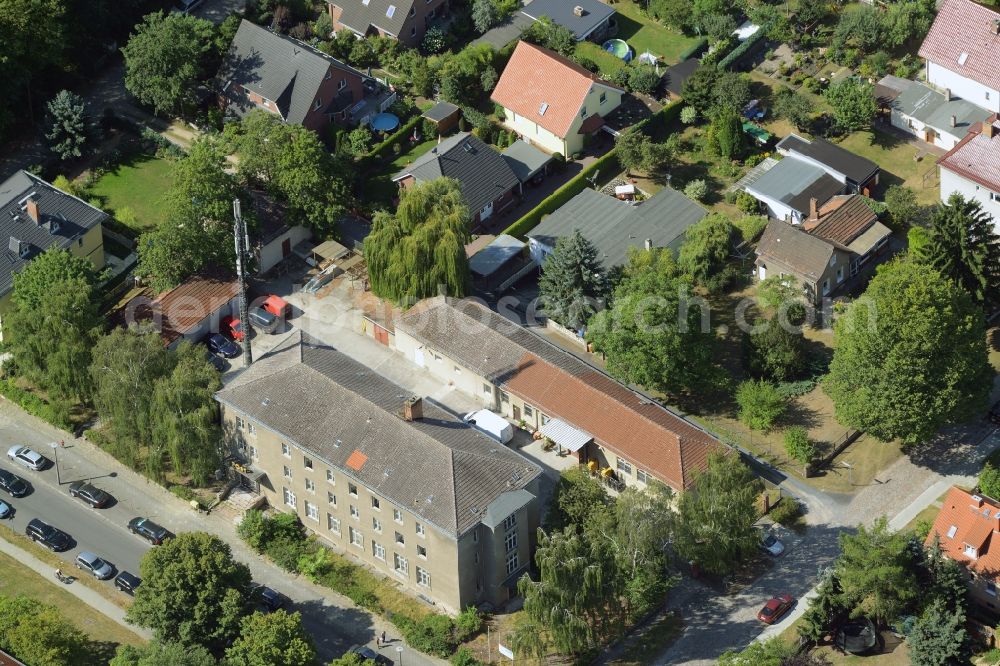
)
(13, 484)
(51, 537)
(233, 328)
(92, 564)
(90, 494)
(217, 362)
(185, 6)
(148, 530)
(31, 459)
(367, 653)
(994, 415)
(277, 306)
(775, 608)
(263, 320)
(220, 345)
(6, 510)
(771, 545)
(127, 582)
(270, 600)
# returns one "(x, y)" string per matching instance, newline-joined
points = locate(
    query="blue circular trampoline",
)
(385, 122)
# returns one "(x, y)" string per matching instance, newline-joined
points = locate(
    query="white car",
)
(772, 546)
(5, 510)
(94, 565)
(27, 457)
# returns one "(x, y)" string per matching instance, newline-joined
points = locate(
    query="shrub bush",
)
(797, 388)
(734, 56)
(468, 624)
(55, 412)
(760, 404)
(464, 657)
(252, 529)
(748, 204)
(286, 550)
(433, 634)
(689, 114)
(696, 189)
(989, 481)
(183, 492)
(787, 512)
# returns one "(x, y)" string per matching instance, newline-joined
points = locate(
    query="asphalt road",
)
(100, 531)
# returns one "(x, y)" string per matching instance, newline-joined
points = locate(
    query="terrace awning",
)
(566, 435)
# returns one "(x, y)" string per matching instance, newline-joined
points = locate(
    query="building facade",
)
(412, 493)
(972, 168)
(404, 20)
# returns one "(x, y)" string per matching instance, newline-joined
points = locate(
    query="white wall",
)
(952, 182)
(539, 251)
(775, 208)
(977, 93)
(270, 254)
(808, 160)
(941, 140)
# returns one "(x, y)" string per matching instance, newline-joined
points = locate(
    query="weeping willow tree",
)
(420, 251)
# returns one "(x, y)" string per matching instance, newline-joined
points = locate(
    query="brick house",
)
(965, 528)
(287, 77)
(404, 20)
(487, 181)
(972, 168)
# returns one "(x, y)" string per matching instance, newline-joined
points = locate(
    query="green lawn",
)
(896, 157)
(139, 183)
(17, 579)
(643, 33)
(379, 190)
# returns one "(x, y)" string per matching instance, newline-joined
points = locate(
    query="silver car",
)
(6, 510)
(31, 459)
(92, 564)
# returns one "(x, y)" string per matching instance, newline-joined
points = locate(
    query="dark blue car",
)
(220, 345)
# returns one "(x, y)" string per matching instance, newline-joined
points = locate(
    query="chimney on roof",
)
(989, 131)
(648, 244)
(953, 121)
(813, 209)
(996, 25)
(33, 212)
(413, 409)
(947, 94)
(579, 11)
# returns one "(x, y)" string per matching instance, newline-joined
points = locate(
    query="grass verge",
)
(17, 579)
(138, 183)
(649, 642)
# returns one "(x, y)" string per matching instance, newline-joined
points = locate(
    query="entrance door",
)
(762, 272)
(381, 335)
(418, 357)
(929, 135)
(486, 211)
(286, 247)
(517, 413)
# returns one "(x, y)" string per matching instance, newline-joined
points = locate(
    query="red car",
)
(775, 608)
(233, 328)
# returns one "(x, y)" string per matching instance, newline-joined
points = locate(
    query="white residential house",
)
(962, 52)
(972, 168)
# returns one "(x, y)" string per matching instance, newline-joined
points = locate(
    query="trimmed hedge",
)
(733, 56)
(694, 50)
(399, 135)
(608, 161)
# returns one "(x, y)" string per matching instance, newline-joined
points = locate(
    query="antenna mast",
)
(242, 247)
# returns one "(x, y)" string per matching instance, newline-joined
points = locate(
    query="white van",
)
(495, 426)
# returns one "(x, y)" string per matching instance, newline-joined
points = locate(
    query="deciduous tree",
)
(901, 202)
(53, 323)
(798, 446)
(165, 58)
(573, 284)
(910, 356)
(274, 639)
(772, 652)
(484, 15)
(760, 404)
(420, 249)
(192, 592)
(162, 653)
(706, 247)
(68, 128)
(715, 528)
(774, 350)
(793, 106)
(854, 104)
(876, 572)
(939, 637)
(727, 130)
(963, 245)
(653, 335)
(37, 633)
(577, 497)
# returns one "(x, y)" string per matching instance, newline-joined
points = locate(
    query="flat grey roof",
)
(500, 250)
(614, 226)
(505, 33)
(439, 111)
(525, 159)
(931, 108)
(561, 12)
(794, 182)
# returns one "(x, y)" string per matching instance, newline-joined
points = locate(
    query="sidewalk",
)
(332, 620)
(88, 596)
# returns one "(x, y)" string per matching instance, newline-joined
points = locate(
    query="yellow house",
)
(551, 101)
(34, 216)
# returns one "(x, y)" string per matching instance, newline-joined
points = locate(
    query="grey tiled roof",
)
(437, 467)
(277, 67)
(794, 182)
(931, 108)
(483, 173)
(795, 248)
(856, 168)
(561, 13)
(613, 226)
(64, 219)
(359, 16)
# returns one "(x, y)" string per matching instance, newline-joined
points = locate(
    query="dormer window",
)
(970, 551)
(342, 84)
(583, 112)
(318, 104)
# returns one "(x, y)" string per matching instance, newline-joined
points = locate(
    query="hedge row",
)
(734, 56)
(55, 413)
(607, 162)
(694, 50)
(382, 149)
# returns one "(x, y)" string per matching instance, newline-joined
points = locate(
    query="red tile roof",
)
(663, 444)
(842, 219)
(536, 76)
(977, 156)
(178, 311)
(972, 521)
(964, 27)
